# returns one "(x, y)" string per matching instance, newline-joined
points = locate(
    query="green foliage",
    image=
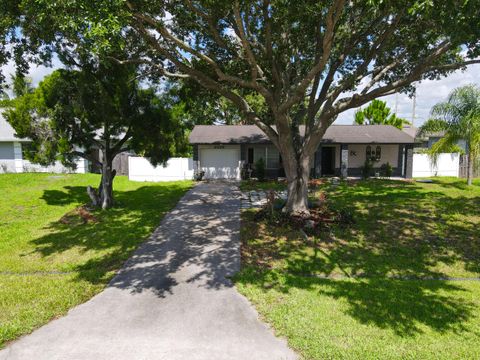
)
(194, 105)
(21, 85)
(459, 119)
(377, 113)
(387, 169)
(367, 168)
(102, 107)
(284, 40)
(260, 169)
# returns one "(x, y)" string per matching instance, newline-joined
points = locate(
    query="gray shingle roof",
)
(340, 134)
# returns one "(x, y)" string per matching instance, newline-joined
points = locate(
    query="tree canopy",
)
(378, 113)
(307, 61)
(73, 113)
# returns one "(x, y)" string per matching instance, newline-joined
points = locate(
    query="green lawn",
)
(46, 266)
(336, 296)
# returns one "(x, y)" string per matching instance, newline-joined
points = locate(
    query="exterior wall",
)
(357, 155)
(7, 157)
(140, 169)
(447, 165)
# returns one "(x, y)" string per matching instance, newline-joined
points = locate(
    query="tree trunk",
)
(106, 185)
(469, 168)
(298, 174)
(104, 196)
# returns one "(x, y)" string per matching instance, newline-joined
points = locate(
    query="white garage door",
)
(220, 163)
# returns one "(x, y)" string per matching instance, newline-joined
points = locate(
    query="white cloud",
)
(36, 72)
(429, 92)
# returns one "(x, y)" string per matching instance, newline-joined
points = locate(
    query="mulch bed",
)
(79, 216)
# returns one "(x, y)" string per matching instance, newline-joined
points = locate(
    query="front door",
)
(328, 161)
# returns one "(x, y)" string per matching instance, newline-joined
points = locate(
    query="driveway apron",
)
(172, 299)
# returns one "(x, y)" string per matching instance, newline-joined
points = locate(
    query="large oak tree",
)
(308, 61)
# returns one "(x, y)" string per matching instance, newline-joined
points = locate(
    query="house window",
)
(273, 158)
(269, 154)
(369, 152)
(378, 153)
(250, 156)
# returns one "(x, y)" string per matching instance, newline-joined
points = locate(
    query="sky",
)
(429, 92)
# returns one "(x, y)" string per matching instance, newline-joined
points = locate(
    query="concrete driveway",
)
(172, 300)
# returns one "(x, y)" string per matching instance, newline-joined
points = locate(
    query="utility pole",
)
(414, 105)
(396, 103)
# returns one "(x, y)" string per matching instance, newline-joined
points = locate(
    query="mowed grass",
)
(374, 289)
(46, 266)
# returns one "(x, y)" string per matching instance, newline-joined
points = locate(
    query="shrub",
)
(367, 169)
(387, 170)
(260, 169)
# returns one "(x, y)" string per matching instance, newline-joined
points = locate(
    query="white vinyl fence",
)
(447, 165)
(57, 168)
(21, 166)
(140, 169)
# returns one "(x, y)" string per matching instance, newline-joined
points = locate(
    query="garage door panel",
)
(220, 163)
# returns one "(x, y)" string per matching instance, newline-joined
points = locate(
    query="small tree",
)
(387, 169)
(459, 118)
(260, 169)
(73, 113)
(378, 113)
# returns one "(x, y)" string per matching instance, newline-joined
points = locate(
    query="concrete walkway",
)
(171, 300)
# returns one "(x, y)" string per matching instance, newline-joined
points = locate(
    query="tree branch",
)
(331, 21)
(256, 70)
(86, 156)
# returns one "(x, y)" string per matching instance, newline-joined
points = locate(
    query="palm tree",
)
(459, 118)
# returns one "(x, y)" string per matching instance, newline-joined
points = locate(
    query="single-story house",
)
(12, 150)
(221, 151)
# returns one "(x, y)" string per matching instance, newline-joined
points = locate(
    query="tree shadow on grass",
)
(71, 195)
(202, 232)
(400, 231)
(404, 306)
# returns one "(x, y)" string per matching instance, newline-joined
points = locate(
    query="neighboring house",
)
(426, 141)
(12, 159)
(447, 164)
(222, 150)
